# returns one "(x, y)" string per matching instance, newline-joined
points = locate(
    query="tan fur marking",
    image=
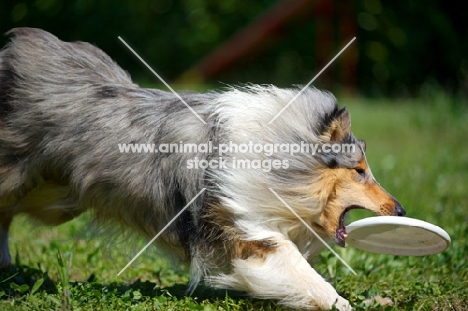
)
(350, 189)
(340, 127)
(362, 164)
(256, 249)
(385, 203)
(336, 133)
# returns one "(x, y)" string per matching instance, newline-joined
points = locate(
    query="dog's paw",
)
(342, 304)
(5, 260)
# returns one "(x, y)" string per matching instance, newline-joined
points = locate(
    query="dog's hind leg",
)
(276, 270)
(5, 221)
(48, 203)
(12, 190)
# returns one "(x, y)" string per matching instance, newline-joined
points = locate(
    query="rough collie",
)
(72, 127)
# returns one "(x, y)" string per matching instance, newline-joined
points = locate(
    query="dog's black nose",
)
(399, 210)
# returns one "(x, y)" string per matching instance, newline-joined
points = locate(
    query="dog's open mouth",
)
(340, 234)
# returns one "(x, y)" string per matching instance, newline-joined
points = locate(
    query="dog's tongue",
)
(340, 236)
(340, 233)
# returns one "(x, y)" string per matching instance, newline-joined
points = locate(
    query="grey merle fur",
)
(65, 107)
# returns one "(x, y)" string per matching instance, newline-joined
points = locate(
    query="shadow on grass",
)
(20, 281)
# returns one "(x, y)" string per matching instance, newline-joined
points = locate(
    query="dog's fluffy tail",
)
(37, 60)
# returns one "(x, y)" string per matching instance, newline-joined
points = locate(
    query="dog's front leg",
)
(277, 270)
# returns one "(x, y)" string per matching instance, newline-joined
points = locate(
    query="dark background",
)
(402, 47)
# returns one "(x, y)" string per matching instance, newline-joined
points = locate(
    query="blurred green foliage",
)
(410, 43)
(401, 45)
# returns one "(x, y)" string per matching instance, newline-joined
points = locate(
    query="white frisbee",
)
(396, 235)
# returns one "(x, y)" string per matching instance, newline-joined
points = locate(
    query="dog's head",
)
(348, 180)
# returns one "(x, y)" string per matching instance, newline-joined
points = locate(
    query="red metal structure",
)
(335, 26)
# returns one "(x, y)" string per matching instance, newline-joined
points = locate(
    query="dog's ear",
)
(362, 143)
(340, 126)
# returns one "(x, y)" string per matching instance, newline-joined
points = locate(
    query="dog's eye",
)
(360, 171)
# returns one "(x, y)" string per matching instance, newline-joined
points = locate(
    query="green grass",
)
(418, 151)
